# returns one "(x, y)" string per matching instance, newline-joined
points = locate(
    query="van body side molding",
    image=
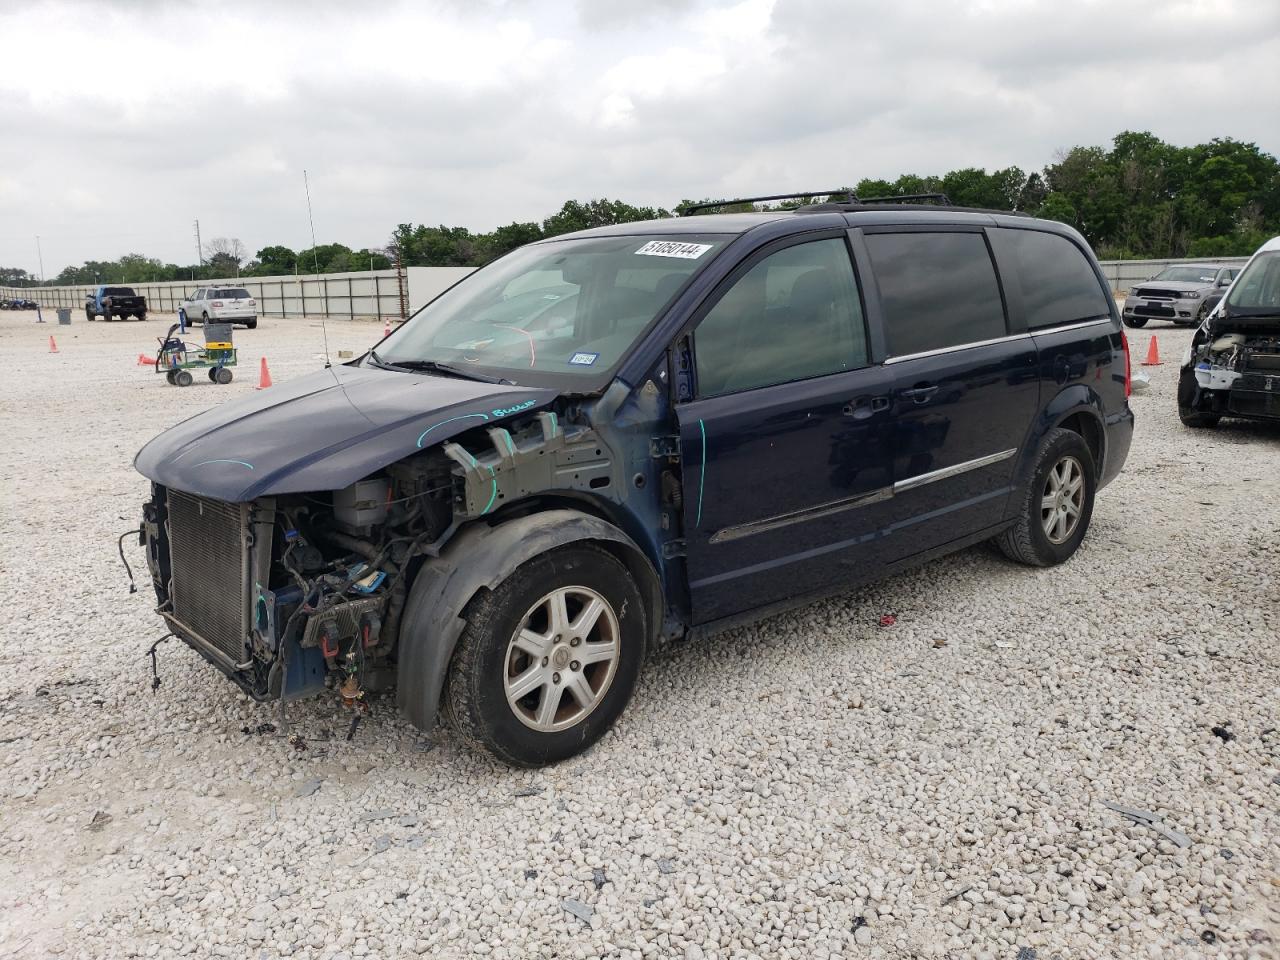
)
(919, 480)
(836, 506)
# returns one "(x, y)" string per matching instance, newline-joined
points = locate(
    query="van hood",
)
(324, 431)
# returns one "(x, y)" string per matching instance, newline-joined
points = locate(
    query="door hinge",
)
(660, 447)
(673, 548)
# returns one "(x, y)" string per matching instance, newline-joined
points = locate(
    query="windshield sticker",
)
(584, 359)
(671, 248)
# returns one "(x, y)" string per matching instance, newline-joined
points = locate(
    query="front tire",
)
(1187, 396)
(548, 659)
(1135, 322)
(1057, 504)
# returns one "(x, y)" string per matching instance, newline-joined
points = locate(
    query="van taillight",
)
(1128, 367)
(216, 303)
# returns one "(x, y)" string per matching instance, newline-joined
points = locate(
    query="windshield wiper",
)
(435, 366)
(377, 361)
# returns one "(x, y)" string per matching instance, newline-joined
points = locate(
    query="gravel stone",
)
(802, 772)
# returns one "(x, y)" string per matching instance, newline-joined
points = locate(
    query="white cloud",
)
(137, 116)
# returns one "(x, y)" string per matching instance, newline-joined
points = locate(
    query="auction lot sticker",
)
(671, 248)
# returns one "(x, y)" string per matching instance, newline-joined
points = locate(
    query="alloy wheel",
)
(1062, 500)
(561, 659)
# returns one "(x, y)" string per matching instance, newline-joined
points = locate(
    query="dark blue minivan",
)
(635, 434)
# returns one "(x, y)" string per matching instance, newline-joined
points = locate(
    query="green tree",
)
(1056, 206)
(273, 261)
(577, 215)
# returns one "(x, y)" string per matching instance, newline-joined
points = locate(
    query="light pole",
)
(40, 257)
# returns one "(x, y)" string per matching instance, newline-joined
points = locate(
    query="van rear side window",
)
(1058, 284)
(937, 290)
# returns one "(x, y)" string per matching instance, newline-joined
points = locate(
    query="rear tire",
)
(89, 314)
(224, 375)
(204, 318)
(569, 702)
(169, 376)
(1135, 322)
(251, 324)
(1054, 515)
(183, 378)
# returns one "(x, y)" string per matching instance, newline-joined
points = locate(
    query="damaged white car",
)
(1233, 366)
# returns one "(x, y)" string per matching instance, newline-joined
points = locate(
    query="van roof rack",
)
(849, 197)
(941, 199)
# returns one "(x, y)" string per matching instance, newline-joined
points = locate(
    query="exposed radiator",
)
(1267, 362)
(209, 556)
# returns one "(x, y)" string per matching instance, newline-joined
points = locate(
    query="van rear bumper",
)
(1119, 427)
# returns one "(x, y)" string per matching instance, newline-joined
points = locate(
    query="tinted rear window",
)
(1058, 282)
(936, 289)
(232, 294)
(118, 292)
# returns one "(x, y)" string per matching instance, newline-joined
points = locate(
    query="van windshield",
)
(1256, 292)
(551, 312)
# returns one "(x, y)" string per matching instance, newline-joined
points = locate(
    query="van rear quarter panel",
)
(1082, 370)
(1082, 365)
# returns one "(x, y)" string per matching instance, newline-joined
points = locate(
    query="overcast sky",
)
(122, 122)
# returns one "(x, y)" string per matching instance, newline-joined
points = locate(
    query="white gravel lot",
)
(814, 786)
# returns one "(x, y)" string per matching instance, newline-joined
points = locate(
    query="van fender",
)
(1076, 398)
(479, 558)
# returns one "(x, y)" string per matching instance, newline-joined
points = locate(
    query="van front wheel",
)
(1057, 504)
(549, 658)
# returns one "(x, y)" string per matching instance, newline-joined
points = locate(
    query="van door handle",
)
(920, 394)
(861, 408)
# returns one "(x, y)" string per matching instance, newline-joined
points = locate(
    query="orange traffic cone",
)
(145, 361)
(264, 376)
(53, 345)
(1153, 354)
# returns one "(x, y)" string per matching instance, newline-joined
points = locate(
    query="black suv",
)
(634, 434)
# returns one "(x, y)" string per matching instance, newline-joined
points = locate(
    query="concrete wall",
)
(365, 294)
(427, 283)
(1125, 273)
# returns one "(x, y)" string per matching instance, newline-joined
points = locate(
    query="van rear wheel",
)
(549, 658)
(1057, 504)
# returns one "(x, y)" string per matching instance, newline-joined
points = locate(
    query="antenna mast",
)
(315, 259)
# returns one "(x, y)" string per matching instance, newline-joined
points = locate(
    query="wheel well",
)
(630, 556)
(1089, 428)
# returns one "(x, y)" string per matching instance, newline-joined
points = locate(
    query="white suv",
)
(225, 304)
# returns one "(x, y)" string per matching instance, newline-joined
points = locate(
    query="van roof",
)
(852, 214)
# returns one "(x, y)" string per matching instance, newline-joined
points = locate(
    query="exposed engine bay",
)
(1235, 373)
(291, 593)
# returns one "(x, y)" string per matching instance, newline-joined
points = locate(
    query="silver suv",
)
(1180, 294)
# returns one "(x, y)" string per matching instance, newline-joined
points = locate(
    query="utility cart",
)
(177, 358)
